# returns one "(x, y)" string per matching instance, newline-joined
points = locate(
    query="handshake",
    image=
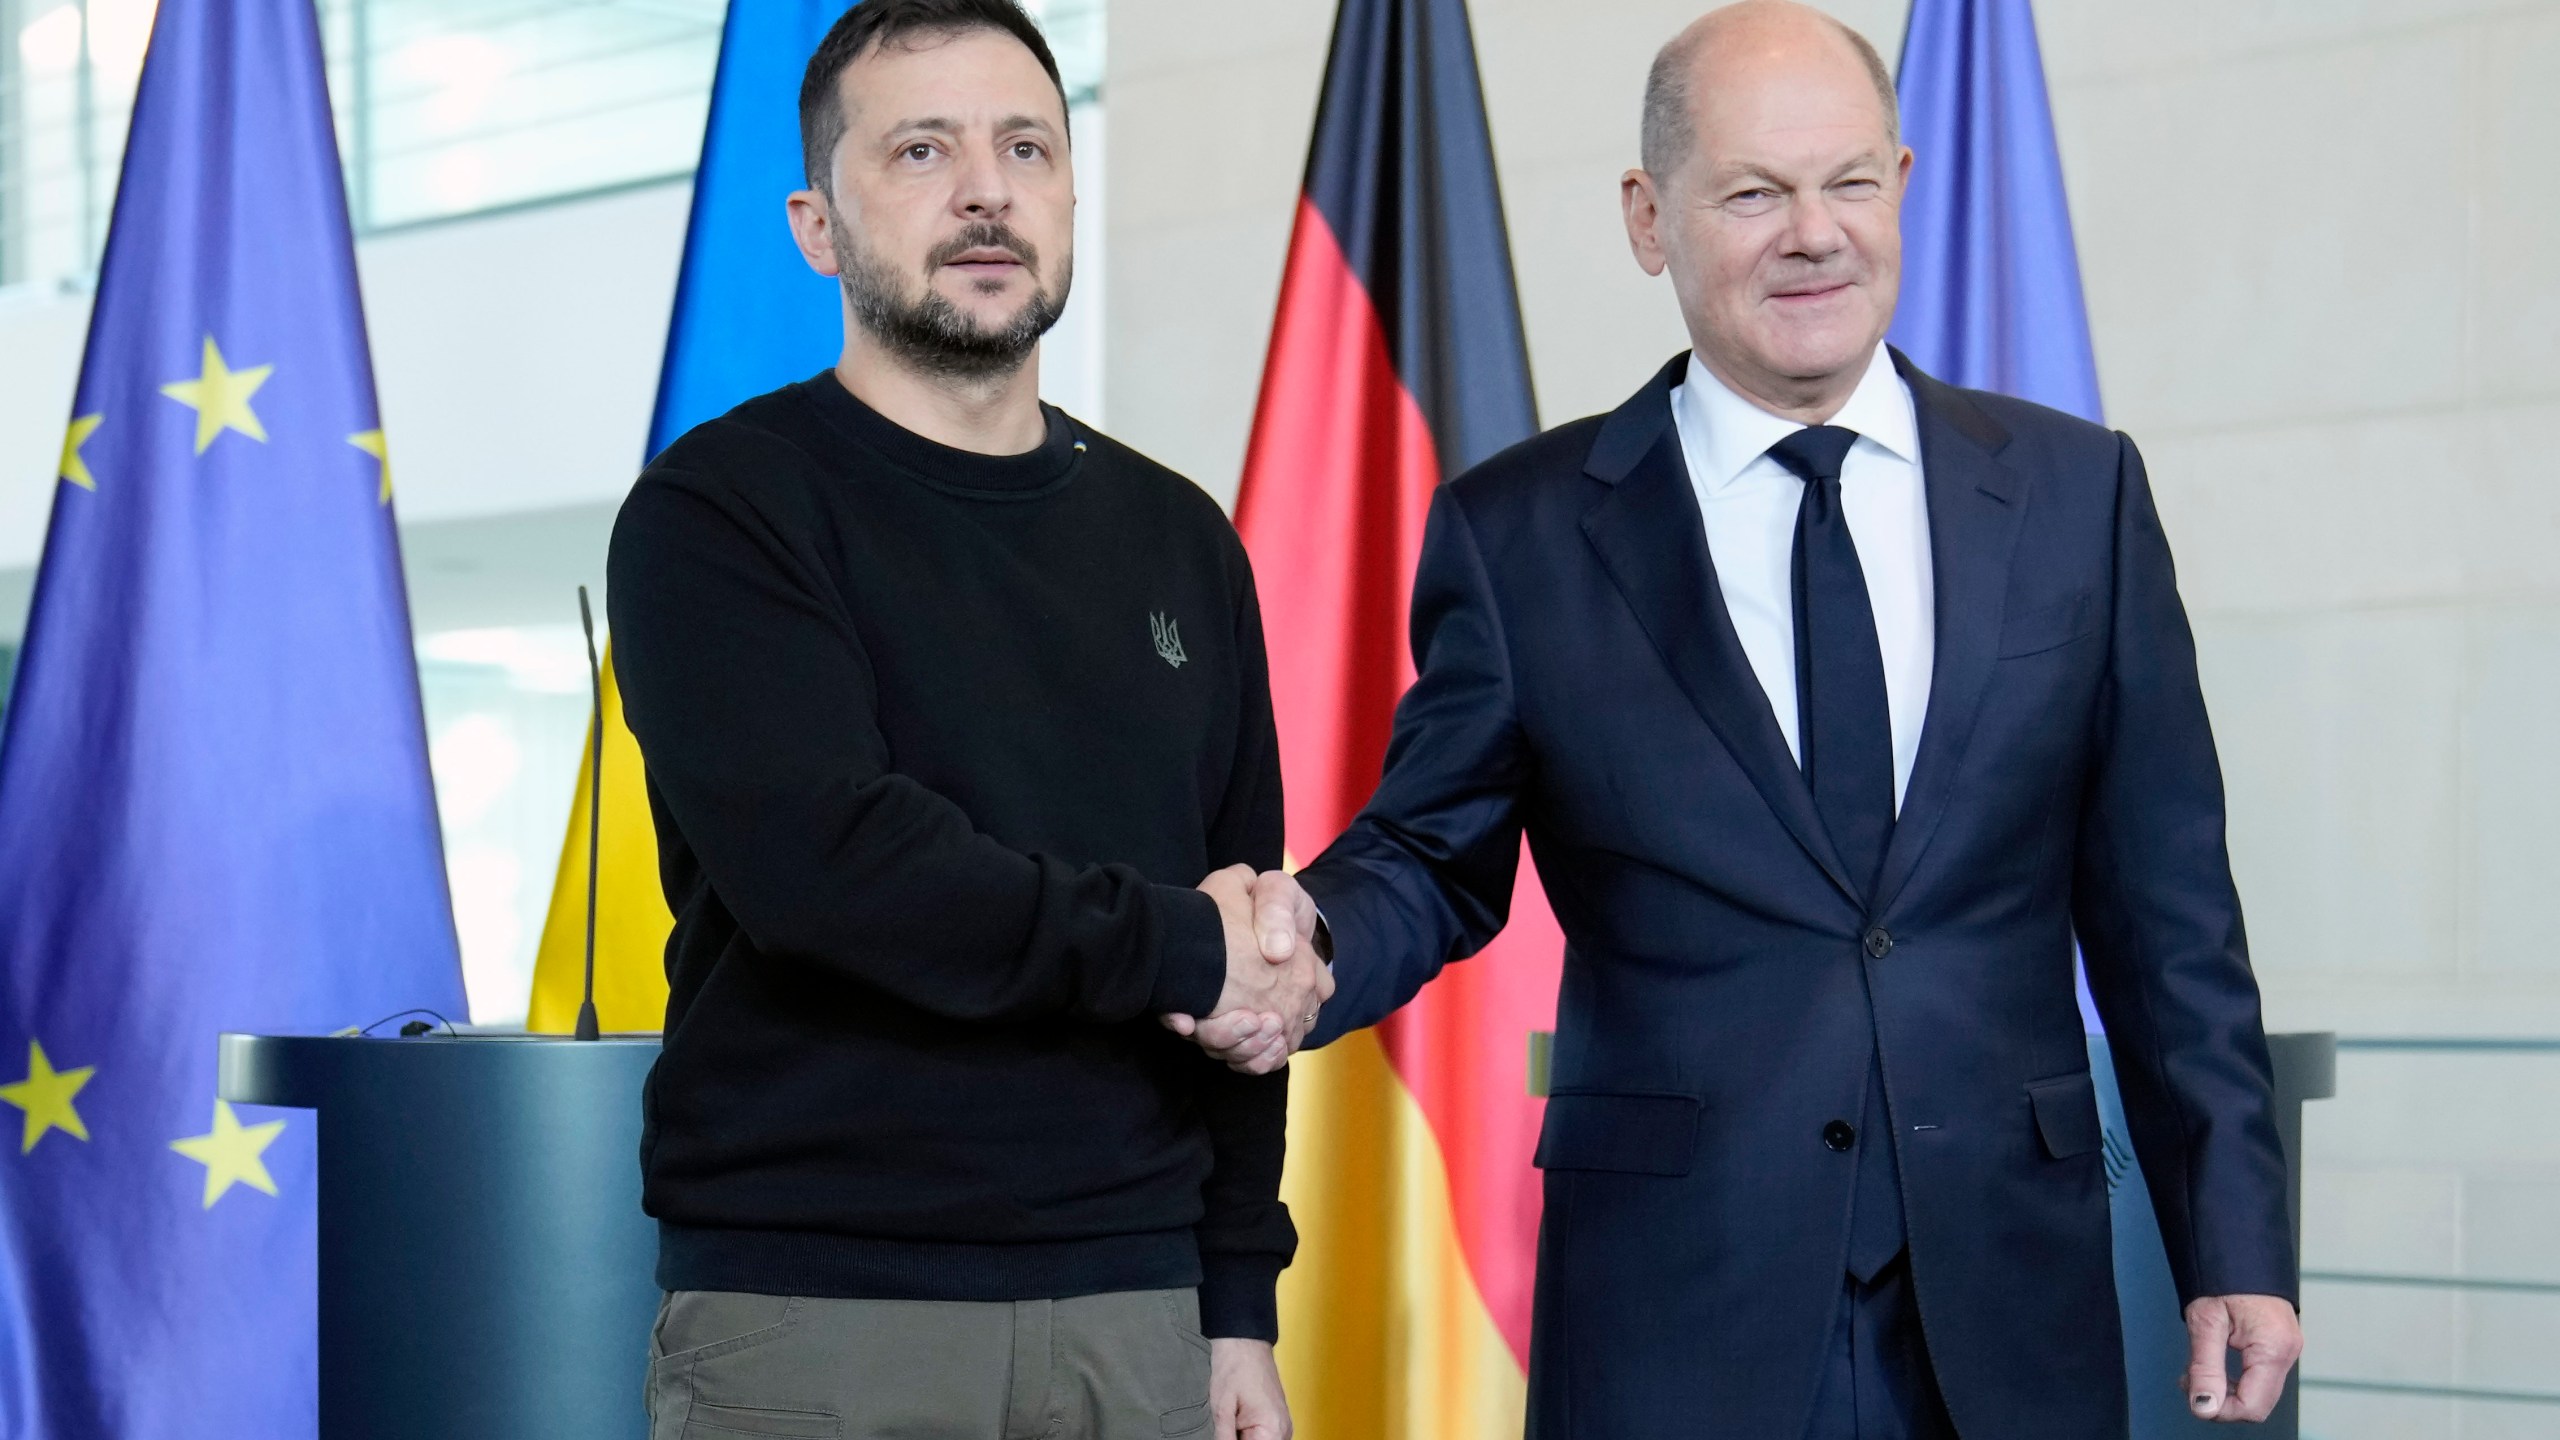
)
(1277, 981)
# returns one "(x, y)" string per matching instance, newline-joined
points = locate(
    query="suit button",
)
(1839, 1135)
(1879, 943)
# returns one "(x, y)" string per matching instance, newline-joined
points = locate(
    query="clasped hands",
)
(1276, 982)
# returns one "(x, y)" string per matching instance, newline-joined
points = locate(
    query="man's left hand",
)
(1245, 1402)
(2268, 1335)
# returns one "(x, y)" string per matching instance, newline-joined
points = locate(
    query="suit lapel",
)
(1976, 502)
(1653, 543)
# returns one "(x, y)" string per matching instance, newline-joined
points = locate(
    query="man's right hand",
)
(1275, 983)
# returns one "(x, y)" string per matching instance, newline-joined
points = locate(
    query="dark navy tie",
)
(1844, 732)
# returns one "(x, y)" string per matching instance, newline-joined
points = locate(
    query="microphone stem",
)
(587, 1027)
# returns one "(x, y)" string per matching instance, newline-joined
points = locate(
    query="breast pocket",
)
(2047, 627)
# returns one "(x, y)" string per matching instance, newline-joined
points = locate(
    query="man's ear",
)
(1642, 204)
(810, 223)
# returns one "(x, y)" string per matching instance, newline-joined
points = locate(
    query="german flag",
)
(1396, 362)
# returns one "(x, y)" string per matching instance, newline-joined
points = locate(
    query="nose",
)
(980, 188)
(1814, 231)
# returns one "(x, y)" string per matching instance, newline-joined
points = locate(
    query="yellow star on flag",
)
(46, 1097)
(220, 397)
(229, 1154)
(372, 443)
(73, 468)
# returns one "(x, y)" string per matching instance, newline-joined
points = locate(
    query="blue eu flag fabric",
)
(750, 315)
(1990, 277)
(215, 809)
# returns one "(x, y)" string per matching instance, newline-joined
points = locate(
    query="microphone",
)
(587, 1029)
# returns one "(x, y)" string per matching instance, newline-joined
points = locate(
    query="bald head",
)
(1721, 44)
(1771, 194)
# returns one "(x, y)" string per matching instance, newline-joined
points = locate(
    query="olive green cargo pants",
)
(1124, 1366)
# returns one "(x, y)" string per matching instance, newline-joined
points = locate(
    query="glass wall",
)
(445, 108)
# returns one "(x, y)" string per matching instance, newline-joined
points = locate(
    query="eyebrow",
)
(948, 126)
(1748, 171)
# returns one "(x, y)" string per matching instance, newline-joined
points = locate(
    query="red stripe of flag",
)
(1396, 358)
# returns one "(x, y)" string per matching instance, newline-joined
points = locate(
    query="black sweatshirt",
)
(937, 745)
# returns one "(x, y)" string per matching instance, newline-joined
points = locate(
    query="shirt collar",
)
(1733, 433)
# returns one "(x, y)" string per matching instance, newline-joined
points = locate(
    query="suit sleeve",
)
(753, 702)
(1245, 1235)
(2159, 925)
(1424, 875)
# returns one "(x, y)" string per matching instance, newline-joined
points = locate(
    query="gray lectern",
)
(2155, 1333)
(485, 1270)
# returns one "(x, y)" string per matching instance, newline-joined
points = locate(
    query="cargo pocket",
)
(731, 1422)
(1191, 1359)
(2066, 1114)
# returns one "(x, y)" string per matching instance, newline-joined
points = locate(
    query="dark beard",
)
(929, 332)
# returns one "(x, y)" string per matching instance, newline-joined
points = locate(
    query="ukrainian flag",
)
(750, 316)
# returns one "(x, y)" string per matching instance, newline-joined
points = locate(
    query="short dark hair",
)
(886, 22)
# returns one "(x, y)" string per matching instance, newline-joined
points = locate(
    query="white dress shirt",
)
(1750, 503)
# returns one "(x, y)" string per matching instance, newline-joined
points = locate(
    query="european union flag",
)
(215, 810)
(1990, 277)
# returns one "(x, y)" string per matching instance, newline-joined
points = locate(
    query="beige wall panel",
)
(2511, 788)
(2414, 1337)
(2332, 1415)
(2456, 1113)
(1209, 127)
(1598, 325)
(2507, 1230)
(2388, 1220)
(1155, 37)
(2515, 298)
(2510, 472)
(2315, 517)
(1189, 361)
(2276, 238)
(2090, 38)
(2339, 738)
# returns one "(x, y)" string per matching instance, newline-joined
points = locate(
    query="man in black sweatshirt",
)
(945, 700)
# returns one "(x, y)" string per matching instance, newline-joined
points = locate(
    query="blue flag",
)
(1990, 278)
(215, 809)
(750, 315)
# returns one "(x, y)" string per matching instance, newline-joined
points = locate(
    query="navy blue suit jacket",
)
(1724, 981)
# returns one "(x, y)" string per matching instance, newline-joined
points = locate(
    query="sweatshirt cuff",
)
(1191, 953)
(1240, 1297)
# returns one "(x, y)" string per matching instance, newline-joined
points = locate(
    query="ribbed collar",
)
(1032, 473)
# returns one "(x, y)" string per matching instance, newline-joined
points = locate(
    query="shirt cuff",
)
(1240, 1297)
(1191, 953)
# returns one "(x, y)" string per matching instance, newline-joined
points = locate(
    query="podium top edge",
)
(611, 1037)
(305, 1070)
